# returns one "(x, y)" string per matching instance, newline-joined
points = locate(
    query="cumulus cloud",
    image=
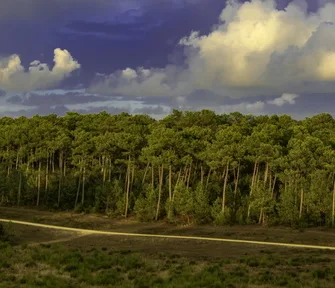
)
(143, 82)
(255, 49)
(14, 77)
(286, 98)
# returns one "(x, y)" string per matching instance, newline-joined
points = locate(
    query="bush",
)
(145, 206)
(2, 230)
(219, 217)
(5, 233)
(183, 202)
(202, 210)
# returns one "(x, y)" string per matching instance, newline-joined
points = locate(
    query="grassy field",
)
(57, 265)
(31, 258)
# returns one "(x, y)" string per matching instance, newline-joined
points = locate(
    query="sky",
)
(151, 56)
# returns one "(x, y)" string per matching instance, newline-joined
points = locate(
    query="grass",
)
(58, 266)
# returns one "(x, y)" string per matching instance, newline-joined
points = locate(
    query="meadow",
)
(104, 263)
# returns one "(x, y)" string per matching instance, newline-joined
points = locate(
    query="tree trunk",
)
(7, 180)
(261, 213)
(208, 176)
(104, 171)
(145, 173)
(301, 201)
(266, 173)
(236, 181)
(333, 208)
(202, 175)
(159, 190)
(64, 166)
(132, 176)
(189, 176)
(127, 188)
(170, 189)
(273, 187)
(253, 181)
(46, 182)
(253, 178)
(39, 183)
(170, 182)
(78, 190)
(17, 160)
(83, 186)
(152, 176)
(110, 170)
(175, 186)
(224, 188)
(60, 180)
(53, 162)
(20, 188)
(184, 175)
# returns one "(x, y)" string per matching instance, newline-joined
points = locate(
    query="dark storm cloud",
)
(2, 93)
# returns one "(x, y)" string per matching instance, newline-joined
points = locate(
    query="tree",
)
(199, 166)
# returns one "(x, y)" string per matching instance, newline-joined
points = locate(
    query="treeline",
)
(190, 166)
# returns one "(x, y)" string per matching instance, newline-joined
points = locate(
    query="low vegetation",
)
(57, 266)
(190, 166)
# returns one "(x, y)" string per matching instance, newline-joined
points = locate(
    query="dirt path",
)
(86, 232)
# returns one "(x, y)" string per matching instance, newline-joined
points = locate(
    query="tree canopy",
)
(189, 166)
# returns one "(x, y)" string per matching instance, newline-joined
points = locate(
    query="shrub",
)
(219, 217)
(202, 210)
(145, 206)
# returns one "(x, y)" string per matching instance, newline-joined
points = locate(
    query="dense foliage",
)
(191, 166)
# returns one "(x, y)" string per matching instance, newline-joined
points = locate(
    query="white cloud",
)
(13, 76)
(286, 98)
(255, 48)
(129, 74)
(255, 108)
(143, 82)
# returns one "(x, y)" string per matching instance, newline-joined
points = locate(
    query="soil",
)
(182, 247)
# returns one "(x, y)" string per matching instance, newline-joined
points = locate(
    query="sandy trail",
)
(84, 232)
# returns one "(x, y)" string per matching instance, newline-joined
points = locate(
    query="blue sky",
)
(150, 56)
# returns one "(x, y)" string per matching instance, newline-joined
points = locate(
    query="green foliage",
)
(183, 203)
(58, 266)
(104, 163)
(145, 206)
(202, 209)
(288, 208)
(6, 232)
(220, 217)
(114, 199)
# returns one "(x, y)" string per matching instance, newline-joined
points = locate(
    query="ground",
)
(253, 265)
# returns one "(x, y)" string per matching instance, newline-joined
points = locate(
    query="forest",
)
(190, 167)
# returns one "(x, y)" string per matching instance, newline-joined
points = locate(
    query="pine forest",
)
(190, 167)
